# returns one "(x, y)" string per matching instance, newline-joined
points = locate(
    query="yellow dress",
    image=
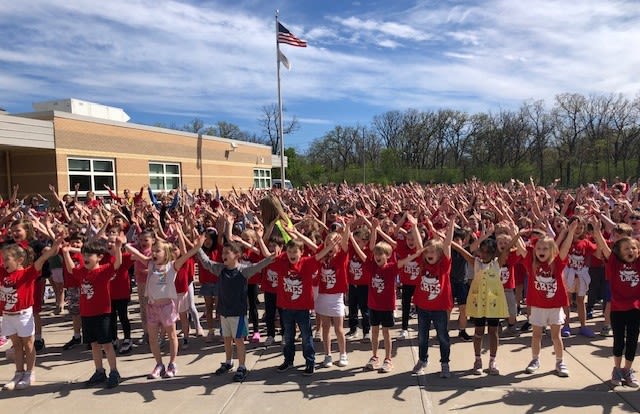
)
(486, 297)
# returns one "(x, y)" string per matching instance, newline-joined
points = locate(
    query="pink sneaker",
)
(255, 338)
(3, 340)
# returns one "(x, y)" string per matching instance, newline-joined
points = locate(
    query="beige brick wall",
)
(134, 148)
(32, 169)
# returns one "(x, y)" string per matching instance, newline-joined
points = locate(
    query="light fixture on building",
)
(234, 146)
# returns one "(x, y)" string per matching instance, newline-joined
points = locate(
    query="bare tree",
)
(270, 124)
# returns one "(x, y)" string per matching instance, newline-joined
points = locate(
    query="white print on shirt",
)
(87, 290)
(377, 283)
(504, 274)
(329, 277)
(355, 267)
(629, 275)
(412, 269)
(9, 295)
(546, 283)
(293, 286)
(161, 277)
(576, 261)
(431, 285)
(272, 277)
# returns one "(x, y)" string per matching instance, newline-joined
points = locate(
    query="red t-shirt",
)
(69, 280)
(120, 287)
(433, 290)
(624, 280)
(95, 298)
(410, 271)
(382, 289)
(250, 257)
(545, 287)
(578, 255)
(356, 270)
(333, 274)
(295, 282)
(508, 272)
(16, 289)
(270, 278)
(206, 276)
(182, 276)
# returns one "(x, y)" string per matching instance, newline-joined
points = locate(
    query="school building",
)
(71, 141)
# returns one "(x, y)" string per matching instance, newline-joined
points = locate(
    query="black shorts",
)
(96, 329)
(460, 291)
(384, 318)
(492, 322)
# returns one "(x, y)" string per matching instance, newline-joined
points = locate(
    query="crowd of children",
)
(487, 248)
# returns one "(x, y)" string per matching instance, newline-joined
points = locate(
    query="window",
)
(91, 174)
(164, 176)
(261, 178)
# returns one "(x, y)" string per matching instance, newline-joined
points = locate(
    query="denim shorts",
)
(209, 289)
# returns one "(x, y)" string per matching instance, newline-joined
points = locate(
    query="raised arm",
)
(568, 240)
(599, 238)
(180, 261)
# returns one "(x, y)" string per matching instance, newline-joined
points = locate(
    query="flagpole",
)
(280, 123)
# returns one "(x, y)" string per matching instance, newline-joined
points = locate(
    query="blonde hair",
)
(18, 252)
(554, 249)
(382, 248)
(167, 248)
(436, 244)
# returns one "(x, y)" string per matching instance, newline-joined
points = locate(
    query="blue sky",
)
(171, 61)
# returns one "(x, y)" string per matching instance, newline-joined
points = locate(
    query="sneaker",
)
(464, 336)
(285, 366)
(565, 332)
(445, 371)
(98, 377)
(185, 343)
(240, 375)
(114, 379)
(605, 331)
(309, 370)
(366, 338)
(617, 377)
(372, 364)
(255, 338)
(477, 367)
(589, 314)
(344, 361)
(38, 344)
(327, 362)
(511, 331)
(11, 385)
(493, 368)
(352, 334)
(526, 327)
(533, 366)
(413, 314)
(27, 380)
(419, 368)
(3, 340)
(404, 334)
(588, 332)
(561, 369)
(125, 347)
(269, 341)
(72, 342)
(224, 368)
(171, 371)
(144, 339)
(158, 371)
(629, 377)
(387, 366)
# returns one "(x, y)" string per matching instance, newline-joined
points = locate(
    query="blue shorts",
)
(209, 289)
(459, 291)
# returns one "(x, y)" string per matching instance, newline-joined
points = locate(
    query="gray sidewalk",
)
(60, 377)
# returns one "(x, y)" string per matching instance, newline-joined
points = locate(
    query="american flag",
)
(285, 36)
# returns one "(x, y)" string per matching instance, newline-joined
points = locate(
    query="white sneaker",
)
(28, 379)
(11, 385)
(328, 361)
(268, 341)
(420, 367)
(403, 335)
(343, 361)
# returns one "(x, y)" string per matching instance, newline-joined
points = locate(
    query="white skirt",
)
(330, 304)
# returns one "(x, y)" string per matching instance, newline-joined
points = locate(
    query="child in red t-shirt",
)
(622, 270)
(16, 301)
(546, 295)
(95, 305)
